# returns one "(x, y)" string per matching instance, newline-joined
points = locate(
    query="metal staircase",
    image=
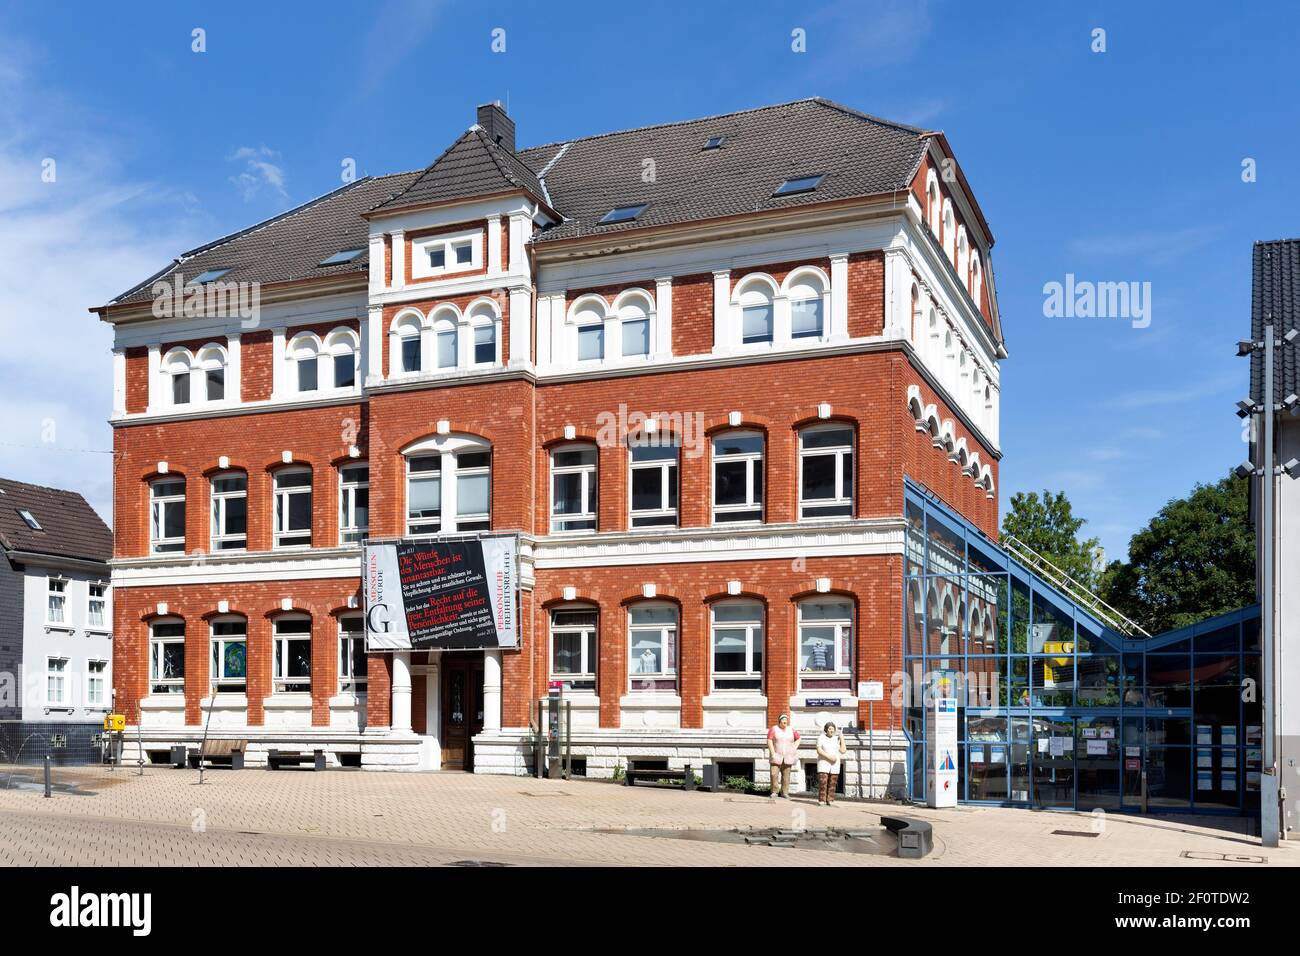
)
(1071, 588)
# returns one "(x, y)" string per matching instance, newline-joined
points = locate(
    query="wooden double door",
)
(461, 698)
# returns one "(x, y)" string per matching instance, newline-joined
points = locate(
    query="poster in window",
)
(438, 594)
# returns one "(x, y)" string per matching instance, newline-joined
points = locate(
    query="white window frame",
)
(281, 682)
(753, 465)
(179, 365)
(341, 342)
(281, 502)
(349, 681)
(217, 654)
(589, 656)
(634, 306)
(406, 327)
(349, 531)
(305, 347)
(808, 284)
(105, 617)
(63, 674)
(56, 590)
(219, 503)
(842, 670)
(158, 507)
(590, 489)
(157, 656)
(443, 327)
(840, 500)
(669, 467)
(211, 358)
(449, 450)
(755, 637)
(669, 648)
(91, 680)
(420, 249)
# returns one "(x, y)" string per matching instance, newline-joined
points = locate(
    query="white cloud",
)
(1153, 247)
(65, 246)
(259, 171)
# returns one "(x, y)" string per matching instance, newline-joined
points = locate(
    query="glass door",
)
(1052, 757)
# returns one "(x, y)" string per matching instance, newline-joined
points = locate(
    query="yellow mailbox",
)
(115, 722)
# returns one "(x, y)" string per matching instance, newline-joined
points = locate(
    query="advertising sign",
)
(429, 595)
(942, 740)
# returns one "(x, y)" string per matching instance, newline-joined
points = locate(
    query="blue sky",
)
(1117, 166)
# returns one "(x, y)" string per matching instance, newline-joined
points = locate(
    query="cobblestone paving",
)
(355, 818)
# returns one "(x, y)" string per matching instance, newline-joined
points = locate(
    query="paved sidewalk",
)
(344, 818)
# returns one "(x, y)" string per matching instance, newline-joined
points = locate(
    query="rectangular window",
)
(229, 664)
(291, 656)
(440, 255)
(97, 605)
(756, 323)
(473, 491)
(345, 370)
(229, 512)
(636, 337)
(307, 379)
(738, 647)
(826, 472)
(352, 656)
(437, 257)
(424, 495)
(56, 606)
(167, 658)
(806, 319)
(825, 645)
(354, 503)
(410, 353)
(216, 383)
(485, 345)
(738, 477)
(167, 516)
(573, 648)
(803, 184)
(652, 648)
(181, 388)
(591, 343)
(96, 683)
(447, 348)
(464, 253)
(654, 482)
(574, 489)
(56, 681)
(292, 509)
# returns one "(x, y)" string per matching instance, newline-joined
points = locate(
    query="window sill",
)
(163, 702)
(288, 700)
(345, 699)
(655, 700)
(99, 632)
(224, 699)
(61, 628)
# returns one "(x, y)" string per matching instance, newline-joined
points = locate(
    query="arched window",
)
(806, 291)
(228, 667)
(446, 337)
(483, 322)
(826, 464)
(652, 648)
(448, 485)
(963, 258)
(932, 201)
(588, 319)
(291, 654)
(737, 646)
(167, 656)
(633, 309)
(344, 351)
(229, 511)
(915, 332)
(212, 363)
(405, 350)
(178, 364)
(303, 355)
(825, 644)
(653, 479)
(292, 493)
(949, 231)
(755, 297)
(976, 279)
(574, 636)
(574, 487)
(737, 477)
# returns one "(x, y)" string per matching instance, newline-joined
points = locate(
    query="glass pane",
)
(818, 477)
(646, 656)
(827, 438)
(181, 388)
(345, 375)
(174, 519)
(485, 348)
(731, 613)
(636, 337)
(568, 652)
(806, 318)
(729, 651)
(300, 512)
(216, 379)
(647, 489)
(817, 648)
(730, 484)
(737, 443)
(472, 495)
(591, 342)
(653, 614)
(236, 515)
(572, 457)
(173, 661)
(567, 494)
(424, 497)
(307, 374)
(446, 349)
(411, 354)
(756, 322)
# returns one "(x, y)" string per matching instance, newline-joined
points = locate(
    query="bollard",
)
(47, 775)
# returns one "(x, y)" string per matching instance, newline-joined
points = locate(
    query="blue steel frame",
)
(1138, 676)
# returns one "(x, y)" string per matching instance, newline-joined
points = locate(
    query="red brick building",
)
(689, 366)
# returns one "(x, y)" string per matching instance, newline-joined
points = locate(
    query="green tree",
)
(1048, 525)
(1194, 560)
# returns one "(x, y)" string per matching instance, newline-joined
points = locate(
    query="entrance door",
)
(1053, 762)
(462, 708)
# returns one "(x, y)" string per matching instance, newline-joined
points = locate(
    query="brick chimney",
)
(499, 127)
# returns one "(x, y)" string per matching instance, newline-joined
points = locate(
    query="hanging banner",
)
(430, 595)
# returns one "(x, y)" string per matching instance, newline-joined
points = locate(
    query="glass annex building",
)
(1057, 710)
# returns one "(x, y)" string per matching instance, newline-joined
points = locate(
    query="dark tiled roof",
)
(471, 166)
(1275, 298)
(292, 245)
(70, 527)
(857, 154)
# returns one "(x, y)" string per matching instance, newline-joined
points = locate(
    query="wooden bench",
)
(212, 751)
(275, 759)
(915, 837)
(686, 777)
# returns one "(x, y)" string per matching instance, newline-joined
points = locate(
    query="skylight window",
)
(340, 257)
(209, 276)
(804, 184)
(30, 519)
(622, 214)
(713, 142)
